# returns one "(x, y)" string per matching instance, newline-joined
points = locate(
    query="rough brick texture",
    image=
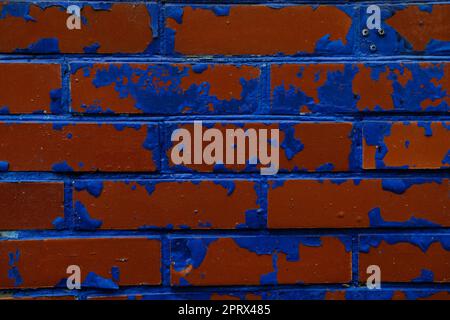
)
(87, 176)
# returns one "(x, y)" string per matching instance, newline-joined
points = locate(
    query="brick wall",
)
(86, 178)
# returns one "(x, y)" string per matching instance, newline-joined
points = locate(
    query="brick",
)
(65, 147)
(359, 203)
(164, 88)
(105, 28)
(30, 88)
(219, 204)
(306, 146)
(104, 262)
(30, 205)
(406, 145)
(254, 260)
(406, 257)
(355, 87)
(410, 29)
(259, 30)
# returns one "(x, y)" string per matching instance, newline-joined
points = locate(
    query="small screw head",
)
(365, 32)
(373, 48)
(381, 32)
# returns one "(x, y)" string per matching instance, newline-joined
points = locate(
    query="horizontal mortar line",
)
(164, 2)
(236, 289)
(405, 174)
(252, 118)
(251, 59)
(215, 233)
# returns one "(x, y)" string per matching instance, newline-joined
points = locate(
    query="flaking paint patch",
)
(356, 87)
(164, 88)
(25, 28)
(414, 145)
(275, 260)
(406, 258)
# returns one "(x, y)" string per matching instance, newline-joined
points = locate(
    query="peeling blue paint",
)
(83, 220)
(13, 272)
(157, 90)
(94, 187)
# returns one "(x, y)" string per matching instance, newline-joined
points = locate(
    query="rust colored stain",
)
(43, 263)
(223, 80)
(84, 92)
(305, 77)
(35, 82)
(324, 142)
(258, 29)
(403, 262)
(324, 204)
(419, 27)
(408, 145)
(84, 147)
(314, 264)
(443, 83)
(200, 205)
(28, 205)
(130, 24)
(226, 263)
(372, 92)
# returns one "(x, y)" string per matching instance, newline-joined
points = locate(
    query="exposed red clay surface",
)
(324, 204)
(43, 263)
(194, 204)
(123, 28)
(258, 29)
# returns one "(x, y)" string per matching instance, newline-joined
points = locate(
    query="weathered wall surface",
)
(86, 178)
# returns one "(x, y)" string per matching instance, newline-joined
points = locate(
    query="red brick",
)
(307, 146)
(164, 88)
(193, 204)
(342, 203)
(413, 145)
(76, 146)
(420, 27)
(257, 29)
(27, 87)
(356, 87)
(122, 28)
(260, 260)
(30, 205)
(407, 257)
(43, 263)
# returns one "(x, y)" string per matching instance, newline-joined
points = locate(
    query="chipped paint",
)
(164, 89)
